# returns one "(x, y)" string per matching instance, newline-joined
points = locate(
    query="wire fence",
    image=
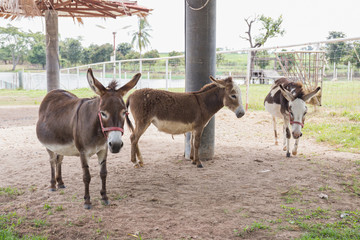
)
(334, 65)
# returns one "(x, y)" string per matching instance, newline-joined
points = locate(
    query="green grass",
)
(344, 135)
(9, 191)
(8, 224)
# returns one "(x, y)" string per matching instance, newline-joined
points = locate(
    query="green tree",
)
(37, 52)
(354, 56)
(271, 28)
(336, 52)
(123, 49)
(5, 54)
(141, 37)
(219, 58)
(151, 54)
(71, 49)
(16, 41)
(175, 61)
(101, 53)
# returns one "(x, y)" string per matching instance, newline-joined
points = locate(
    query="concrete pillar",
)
(200, 61)
(52, 50)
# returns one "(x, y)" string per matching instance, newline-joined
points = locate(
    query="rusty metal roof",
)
(76, 9)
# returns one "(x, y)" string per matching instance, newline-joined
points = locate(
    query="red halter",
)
(108, 128)
(294, 122)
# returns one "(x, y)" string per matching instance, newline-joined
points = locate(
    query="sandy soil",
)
(169, 198)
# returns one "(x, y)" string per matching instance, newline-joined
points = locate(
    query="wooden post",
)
(52, 50)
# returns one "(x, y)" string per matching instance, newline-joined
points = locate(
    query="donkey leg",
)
(284, 137)
(192, 146)
(288, 135)
(294, 151)
(196, 146)
(52, 161)
(135, 150)
(102, 155)
(59, 180)
(86, 179)
(275, 132)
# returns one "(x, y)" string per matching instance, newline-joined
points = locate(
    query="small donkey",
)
(72, 126)
(178, 113)
(286, 100)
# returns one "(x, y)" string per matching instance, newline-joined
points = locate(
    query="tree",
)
(101, 53)
(37, 53)
(5, 54)
(15, 41)
(336, 52)
(175, 61)
(219, 58)
(151, 54)
(271, 28)
(71, 49)
(141, 37)
(123, 49)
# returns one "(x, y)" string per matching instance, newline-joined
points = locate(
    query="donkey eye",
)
(233, 96)
(103, 114)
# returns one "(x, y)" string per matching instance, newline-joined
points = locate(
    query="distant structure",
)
(304, 66)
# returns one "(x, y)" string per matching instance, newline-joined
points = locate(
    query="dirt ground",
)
(169, 198)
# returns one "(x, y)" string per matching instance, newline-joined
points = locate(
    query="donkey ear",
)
(95, 85)
(218, 83)
(127, 87)
(311, 94)
(286, 93)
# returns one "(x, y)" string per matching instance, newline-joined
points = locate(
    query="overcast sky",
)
(303, 20)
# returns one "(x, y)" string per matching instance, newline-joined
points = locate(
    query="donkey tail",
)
(128, 122)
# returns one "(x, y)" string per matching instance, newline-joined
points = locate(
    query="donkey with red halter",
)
(286, 100)
(178, 113)
(71, 126)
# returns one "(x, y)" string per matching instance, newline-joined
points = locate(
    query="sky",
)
(303, 20)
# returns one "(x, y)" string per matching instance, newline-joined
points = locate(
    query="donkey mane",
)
(206, 88)
(112, 86)
(291, 86)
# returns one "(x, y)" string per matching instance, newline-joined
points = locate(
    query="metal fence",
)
(339, 80)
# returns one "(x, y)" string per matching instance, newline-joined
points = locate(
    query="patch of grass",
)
(120, 197)
(47, 206)
(343, 135)
(9, 191)
(292, 195)
(39, 223)
(252, 228)
(59, 208)
(8, 224)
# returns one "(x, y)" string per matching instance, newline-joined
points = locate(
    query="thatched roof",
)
(71, 8)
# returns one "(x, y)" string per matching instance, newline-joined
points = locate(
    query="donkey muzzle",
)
(239, 111)
(114, 141)
(296, 135)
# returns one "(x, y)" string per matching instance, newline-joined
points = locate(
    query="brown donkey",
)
(178, 113)
(71, 126)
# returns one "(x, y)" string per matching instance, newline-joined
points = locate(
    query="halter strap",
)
(108, 129)
(295, 122)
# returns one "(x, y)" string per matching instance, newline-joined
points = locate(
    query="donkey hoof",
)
(200, 165)
(87, 206)
(105, 202)
(61, 186)
(141, 164)
(287, 154)
(52, 189)
(294, 153)
(284, 148)
(276, 143)
(193, 162)
(136, 165)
